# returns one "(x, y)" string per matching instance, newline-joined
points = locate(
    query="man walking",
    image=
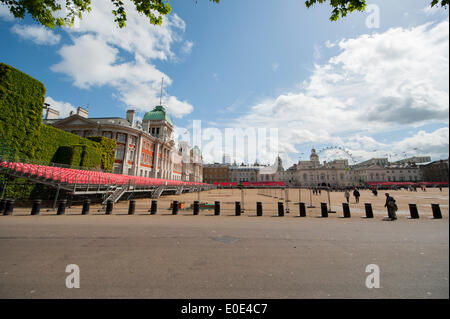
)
(391, 207)
(356, 194)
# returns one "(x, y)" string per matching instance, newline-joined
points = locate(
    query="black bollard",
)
(86, 206)
(346, 209)
(109, 207)
(35, 209)
(413, 211)
(436, 211)
(259, 210)
(324, 210)
(132, 207)
(154, 207)
(217, 208)
(9, 207)
(2, 205)
(175, 207)
(280, 209)
(369, 211)
(237, 209)
(302, 209)
(62, 207)
(196, 207)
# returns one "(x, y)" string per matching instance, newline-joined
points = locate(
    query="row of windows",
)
(145, 158)
(147, 145)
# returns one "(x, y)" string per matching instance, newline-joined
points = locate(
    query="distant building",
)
(216, 173)
(403, 173)
(436, 171)
(374, 161)
(338, 173)
(241, 174)
(414, 160)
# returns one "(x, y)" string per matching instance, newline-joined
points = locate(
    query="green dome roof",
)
(157, 114)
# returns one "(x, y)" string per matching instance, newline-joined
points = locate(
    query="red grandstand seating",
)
(76, 176)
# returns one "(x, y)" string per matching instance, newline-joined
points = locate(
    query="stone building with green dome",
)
(144, 148)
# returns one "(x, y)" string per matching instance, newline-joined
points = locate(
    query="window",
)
(120, 138)
(119, 153)
(107, 134)
(131, 155)
(133, 140)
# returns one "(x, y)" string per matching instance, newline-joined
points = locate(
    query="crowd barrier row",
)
(7, 208)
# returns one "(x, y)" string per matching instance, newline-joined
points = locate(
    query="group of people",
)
(356, 194)
(390, 203)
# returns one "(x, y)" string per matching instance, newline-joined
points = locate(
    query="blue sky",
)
(253, 63)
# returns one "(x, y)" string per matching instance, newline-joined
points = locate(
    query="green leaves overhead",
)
(342, 7)
(51, 13)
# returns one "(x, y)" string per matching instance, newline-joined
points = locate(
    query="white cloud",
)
(187, 47)
(64, 108)
(96, 56)
(5, 14)
(376, 83)
(37, 34)
(434, 144)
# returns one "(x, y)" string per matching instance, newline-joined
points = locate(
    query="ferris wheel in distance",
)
(330, 153)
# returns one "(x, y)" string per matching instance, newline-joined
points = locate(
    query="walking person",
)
(347, 196)
(356, 194)
(391, 207)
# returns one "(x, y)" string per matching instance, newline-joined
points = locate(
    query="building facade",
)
(216, 173)
(339, 173)
(436, 171)
(143, 148)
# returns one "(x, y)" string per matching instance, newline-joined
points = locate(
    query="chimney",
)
(130, 116)
(82, 112)
(52, 114)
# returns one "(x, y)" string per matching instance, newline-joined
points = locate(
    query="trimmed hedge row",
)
(20, 121)
(21, 107)
(52, 138)
(22, 84)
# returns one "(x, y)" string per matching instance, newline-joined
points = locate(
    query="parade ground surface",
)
(227, 256)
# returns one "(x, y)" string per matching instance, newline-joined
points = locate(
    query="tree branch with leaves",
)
(342, 7)
(54, 13)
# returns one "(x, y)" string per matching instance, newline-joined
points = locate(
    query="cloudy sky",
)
(373, 90)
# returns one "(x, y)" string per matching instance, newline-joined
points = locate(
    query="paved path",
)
(223, 256)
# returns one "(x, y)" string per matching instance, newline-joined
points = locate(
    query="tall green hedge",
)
(21, 103)
(21, 106)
